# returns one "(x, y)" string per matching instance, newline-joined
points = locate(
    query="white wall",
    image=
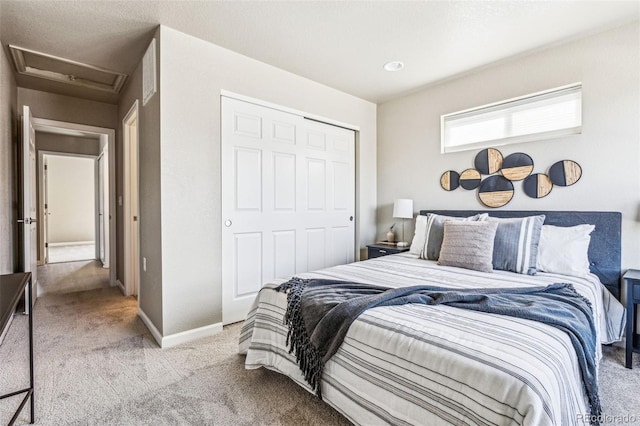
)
(608, 64)
(71, 188)
(193, 74)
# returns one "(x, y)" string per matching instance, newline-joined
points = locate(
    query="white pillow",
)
(563, 250)
(417, 244)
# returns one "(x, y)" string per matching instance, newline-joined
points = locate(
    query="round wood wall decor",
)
(449, 180)
(470, 179)
(537, 185)
(517, 166)
(565, 173)
(495, 191)
(488, 161)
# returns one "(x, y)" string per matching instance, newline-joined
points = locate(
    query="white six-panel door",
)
(29, 202)
(288, 199)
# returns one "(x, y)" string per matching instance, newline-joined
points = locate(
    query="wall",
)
(66, 108)
(150, 284)
(193, 74)
(68, 144)
(608, 148)
(8, 137)
(71, 190)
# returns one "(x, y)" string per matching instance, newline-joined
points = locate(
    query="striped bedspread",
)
(417, 364)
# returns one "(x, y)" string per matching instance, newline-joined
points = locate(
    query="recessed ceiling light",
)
(393, 66)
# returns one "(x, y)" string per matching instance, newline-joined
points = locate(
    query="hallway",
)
(70, 277)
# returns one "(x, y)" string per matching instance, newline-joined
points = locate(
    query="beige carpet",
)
(96, 364)
(72, 276)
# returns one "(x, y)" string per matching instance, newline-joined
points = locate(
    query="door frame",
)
(42, 190)
(106, 136)
(101, 213)
(129, 287)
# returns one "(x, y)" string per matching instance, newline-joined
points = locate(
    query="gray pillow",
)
(435, 231)
(468, 244)
(516, 245)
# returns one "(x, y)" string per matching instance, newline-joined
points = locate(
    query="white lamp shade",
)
(403, 208)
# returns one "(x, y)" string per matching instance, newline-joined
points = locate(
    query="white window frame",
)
(503, 107)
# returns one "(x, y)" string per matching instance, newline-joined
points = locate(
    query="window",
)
(549, 114)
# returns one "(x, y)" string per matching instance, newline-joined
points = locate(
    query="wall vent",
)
(41, 65)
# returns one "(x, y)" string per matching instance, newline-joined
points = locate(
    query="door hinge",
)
(46, 206)
(46, 245)
(46, 167)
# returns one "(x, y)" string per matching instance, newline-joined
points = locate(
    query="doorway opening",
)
(69, 196)
(77, 142)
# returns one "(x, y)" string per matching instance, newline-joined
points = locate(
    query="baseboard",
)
(119, 284)
(187, 336)
(178, 338)
(152, 328)
(72, 243)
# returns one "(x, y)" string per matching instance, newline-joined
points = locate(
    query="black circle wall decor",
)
(495, 191)
(565, 173)
(488, 161)
(449, 180)
(537, 185)
(517, 166)
(470, 179)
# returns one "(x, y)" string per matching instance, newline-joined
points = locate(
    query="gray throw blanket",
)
(319, 313)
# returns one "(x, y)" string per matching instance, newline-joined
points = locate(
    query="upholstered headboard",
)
(605, 246)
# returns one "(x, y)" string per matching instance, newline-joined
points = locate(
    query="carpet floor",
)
(97, 364)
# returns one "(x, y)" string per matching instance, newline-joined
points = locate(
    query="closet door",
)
(288, 199)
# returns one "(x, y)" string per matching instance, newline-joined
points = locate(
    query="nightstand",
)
(378, 250)
(632, 279)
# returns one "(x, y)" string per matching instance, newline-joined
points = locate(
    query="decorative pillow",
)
(434, 232)
(417, 244)
(564, 250)
(516, 245)
(468, 244)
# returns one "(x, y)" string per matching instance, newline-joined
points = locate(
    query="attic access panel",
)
(41, 65)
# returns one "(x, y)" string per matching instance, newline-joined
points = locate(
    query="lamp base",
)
(402, 244)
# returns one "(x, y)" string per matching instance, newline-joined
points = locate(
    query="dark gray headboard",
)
(605, 246)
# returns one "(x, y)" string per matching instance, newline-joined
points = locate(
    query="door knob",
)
(227, 223)
(350, 218)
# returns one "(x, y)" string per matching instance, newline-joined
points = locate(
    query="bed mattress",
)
(417, 364)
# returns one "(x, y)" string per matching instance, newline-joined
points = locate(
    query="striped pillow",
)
(516, 245)
(435, 231)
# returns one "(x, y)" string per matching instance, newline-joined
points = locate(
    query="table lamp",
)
(403, 209)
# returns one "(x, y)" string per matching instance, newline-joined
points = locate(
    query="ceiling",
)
(342, 44)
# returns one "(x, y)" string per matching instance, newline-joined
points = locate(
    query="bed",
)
(417, 364)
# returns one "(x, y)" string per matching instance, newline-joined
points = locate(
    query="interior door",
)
(29, 202)
(288, 199)
(131, 204)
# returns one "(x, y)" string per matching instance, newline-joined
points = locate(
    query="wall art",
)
(497, 190)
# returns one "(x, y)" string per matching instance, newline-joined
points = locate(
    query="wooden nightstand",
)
(632, 279)
(377, 250)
